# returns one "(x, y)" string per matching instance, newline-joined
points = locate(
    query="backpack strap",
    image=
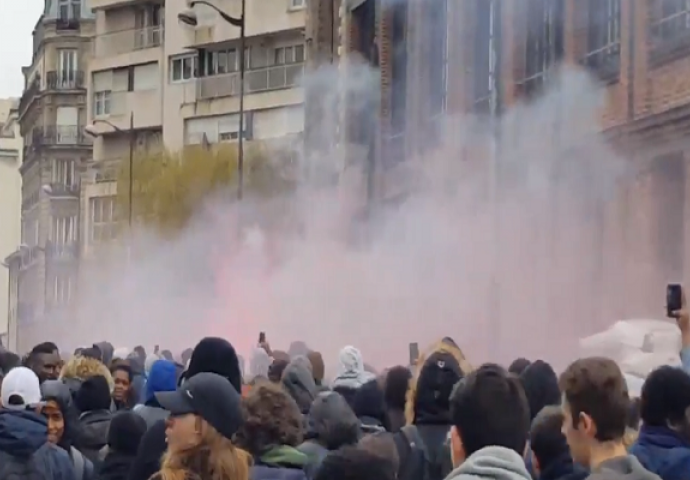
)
(78, 462)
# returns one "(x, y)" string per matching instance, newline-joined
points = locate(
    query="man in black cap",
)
(209, 396)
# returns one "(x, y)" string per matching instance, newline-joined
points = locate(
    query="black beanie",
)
(540, 383)
(216, 355)
(125, 432)
(93, 394)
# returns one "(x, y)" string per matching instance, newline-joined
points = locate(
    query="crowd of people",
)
(112, 414)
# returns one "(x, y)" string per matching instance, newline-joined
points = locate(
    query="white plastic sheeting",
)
(638, 346)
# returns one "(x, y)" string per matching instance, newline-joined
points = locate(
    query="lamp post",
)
(188, 17)
(92, 131)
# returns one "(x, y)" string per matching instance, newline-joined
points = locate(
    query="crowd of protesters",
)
(115, 415)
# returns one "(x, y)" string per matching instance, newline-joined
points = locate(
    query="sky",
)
(17, 20)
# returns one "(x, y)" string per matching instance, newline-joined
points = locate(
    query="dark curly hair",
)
(271, 418)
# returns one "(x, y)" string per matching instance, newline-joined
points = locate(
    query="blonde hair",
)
(214, 458)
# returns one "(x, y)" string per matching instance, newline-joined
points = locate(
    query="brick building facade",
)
(438, 58)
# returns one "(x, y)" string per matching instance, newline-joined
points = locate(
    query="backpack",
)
(28, 468)
(414, 460)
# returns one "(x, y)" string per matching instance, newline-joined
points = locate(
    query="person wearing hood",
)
(427, 407)
(107, 350)
(351, 373)
(370, 408)
(490, 424)
(162, 378)
(395, 390)
(663, 443)
(138, 377)
(63, 423)
(318, 369)
(212, 355)
(124, 436)
(331, 424)
(259, 364)
(93, 401)
(299, 382)
(25, 451)
(271, 431)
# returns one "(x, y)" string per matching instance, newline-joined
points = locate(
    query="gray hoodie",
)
(622, 468)
(299, 382)
(491, 463)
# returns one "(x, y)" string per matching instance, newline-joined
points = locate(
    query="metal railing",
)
(260, 80)
(65, 80)
(60, 135)
(30, 93)
(670, 34)
(125, 41)
(62, 251)
(605, 61)
(61, 189)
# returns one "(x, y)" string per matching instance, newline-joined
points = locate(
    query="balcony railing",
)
(30, 93)
(126, 41)
(65, 80)
(64, 251)
(60, 135)
(260, 80)
(59, 189)
(67, 24)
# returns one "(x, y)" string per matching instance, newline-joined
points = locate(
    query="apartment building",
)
(440, 58)
(10, 210)
(179, 85)
(51, 115)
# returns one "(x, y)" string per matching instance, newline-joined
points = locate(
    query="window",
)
(101, 103)
(69, 9)
(604, 37)
(438, 55)
(145, 77)
(63, 230)
(62, 289)
(287, 55)
(63, 172)
(103, 219)
(670, 27)
(544, 44)
(67, 67)
(487, 46)
(183, 68)
(295, 4)
(398, 66)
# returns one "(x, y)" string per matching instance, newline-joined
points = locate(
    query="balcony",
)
(61, 135)
(145, 105)
(65, 80)
(67, 24)
(29, 94)
(126, 41)
(256, 81)
(64, 251)
(63, 190)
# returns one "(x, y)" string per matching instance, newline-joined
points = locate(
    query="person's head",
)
(369, 402)
(665, 399)
(518, 366)
(162, 378)
(216, 355)
(275, 371)
(93, 394)
(298, 348)
(546, 440)
(540, 383)
(488, 408)
(383, 445)
(395, 387)
(44, 360)
(125, 432)
(60, 412)
(318, 368)
(167, 355)
(332, 422)
(8, 361)
(595, 406)
(20, 390)
(353, 463)
(271, 418)
(122, 377)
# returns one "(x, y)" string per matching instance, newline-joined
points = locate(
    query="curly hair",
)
(271, 418)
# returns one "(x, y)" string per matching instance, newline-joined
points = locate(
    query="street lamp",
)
(93, 131)
(188, 17)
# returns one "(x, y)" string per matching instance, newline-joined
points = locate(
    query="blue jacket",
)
(25, 434)
(663, 451)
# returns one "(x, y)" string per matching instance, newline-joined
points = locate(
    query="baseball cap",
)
(20, 389)
(210, 396)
